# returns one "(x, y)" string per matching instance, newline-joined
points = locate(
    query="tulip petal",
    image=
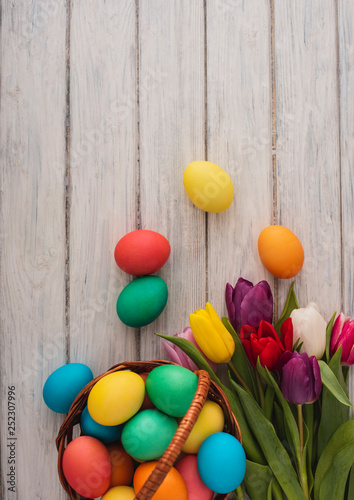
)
(267, 330)
(241, 289)
(270, 355)
(247, 331)
(221, 329)
(209, 339)
(346, 340)
(294, 384)
(286, 334)
(231, 310)
(257, 305)
(176, 355)
(317, 378)
(336, 332)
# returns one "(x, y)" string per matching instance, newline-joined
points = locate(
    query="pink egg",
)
(188, 469)
(142, 252)
(87, 466)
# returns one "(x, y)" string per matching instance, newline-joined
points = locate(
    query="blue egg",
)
(221, 462)
(105, 433)
(64, 384)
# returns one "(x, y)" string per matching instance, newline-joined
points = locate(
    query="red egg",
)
(188, 469)
(142, 252)
(87, 466)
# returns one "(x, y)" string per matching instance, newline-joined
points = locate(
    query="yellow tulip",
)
(211, 335)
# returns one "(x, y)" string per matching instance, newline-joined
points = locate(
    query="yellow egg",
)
(280, 251)
(116, 397)
(210, 420)
(208, 186)
(119, 493)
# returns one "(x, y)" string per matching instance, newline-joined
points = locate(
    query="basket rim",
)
(210, 391)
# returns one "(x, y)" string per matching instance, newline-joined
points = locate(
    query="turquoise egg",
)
(147, 435)
(171, 388)
(142, 301)
(221, 462)
(105, 433)
(64, 384)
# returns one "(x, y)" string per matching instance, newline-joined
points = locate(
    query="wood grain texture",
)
(346, 68)
(239, 139)
(171, 101)
(32, 229)
(103, 176)
(308, 167)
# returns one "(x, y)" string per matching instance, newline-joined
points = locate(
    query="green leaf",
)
(257, 480)
(334, 482)
(329, 334)
(279, 422)
(290, 304)
(351, 484)
(334, 413)
(269, 402)
(334, 464)
(273, 450)
(308, 412)
(240, 359)
(330, 381)
(291, 427)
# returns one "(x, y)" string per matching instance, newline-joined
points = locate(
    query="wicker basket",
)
(206, 389)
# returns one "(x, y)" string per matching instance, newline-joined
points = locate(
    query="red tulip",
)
(266, 344)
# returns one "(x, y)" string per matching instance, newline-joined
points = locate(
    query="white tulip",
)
(310, 327)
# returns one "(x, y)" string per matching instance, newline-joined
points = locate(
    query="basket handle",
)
(175, 447)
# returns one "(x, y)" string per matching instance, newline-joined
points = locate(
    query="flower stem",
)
(239, 378)
(302, 468)
(239, 492)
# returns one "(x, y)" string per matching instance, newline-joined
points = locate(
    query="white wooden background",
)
(103, 104)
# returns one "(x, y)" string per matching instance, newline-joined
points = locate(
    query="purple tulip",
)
(247, 304)
(300, 377)
(180, 357)
(343, 335)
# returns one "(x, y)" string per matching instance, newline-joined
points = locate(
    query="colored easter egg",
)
(171, 388)
(119, 493)
(122, 465)
(208, 186)
(188, 469)
(105, 433)
(147, 435)
(210, 420)
(221, 462)
(142, 301)
(172, 487)
(64, 384)
(142, 252)
(116, 397)
(87, 466)
(280, 251)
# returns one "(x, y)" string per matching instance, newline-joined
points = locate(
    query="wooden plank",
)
(308, 171)
(239, 139)
(346, 68)
(171, 98)
(103, 176)
(32, 228)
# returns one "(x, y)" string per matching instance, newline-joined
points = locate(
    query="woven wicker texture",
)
(206, 389)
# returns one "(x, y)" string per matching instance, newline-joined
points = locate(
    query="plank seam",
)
(138, 169)
(206, 140)
(67, 181)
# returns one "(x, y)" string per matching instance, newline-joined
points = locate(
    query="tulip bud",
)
(300, 377)
(343, 335)
(180, 357)
(310, 327)
(211, 335)
(247, 304)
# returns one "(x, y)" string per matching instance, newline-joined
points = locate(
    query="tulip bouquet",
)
(287, 386)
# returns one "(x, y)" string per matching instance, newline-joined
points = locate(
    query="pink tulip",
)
(343, 335)
(178, 356)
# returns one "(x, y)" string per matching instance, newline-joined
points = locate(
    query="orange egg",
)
(122, 465)
(280, 251)
(172, 487)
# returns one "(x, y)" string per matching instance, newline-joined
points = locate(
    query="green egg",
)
(171, 388)
(147, 435)
(142, 301)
